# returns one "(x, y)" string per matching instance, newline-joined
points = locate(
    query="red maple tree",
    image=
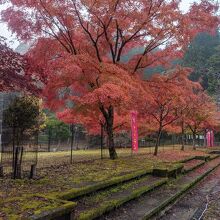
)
(80, 47)
(202, 115)
(168, 92)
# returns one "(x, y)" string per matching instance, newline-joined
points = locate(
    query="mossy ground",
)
(26, 206)
(57, 180)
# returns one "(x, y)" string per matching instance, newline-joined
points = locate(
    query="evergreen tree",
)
(214, 72)
(198, 55)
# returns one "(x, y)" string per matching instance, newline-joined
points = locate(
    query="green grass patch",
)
(34, 207)
(77, 192)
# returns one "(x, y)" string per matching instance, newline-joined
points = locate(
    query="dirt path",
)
(194, 203)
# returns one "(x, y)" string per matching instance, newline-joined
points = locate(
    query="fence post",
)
(1, 171)
(18, 171)
(33, 171)
(72, 140)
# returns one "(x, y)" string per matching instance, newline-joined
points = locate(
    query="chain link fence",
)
(46, 149)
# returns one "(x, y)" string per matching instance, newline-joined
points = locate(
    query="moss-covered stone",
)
(34, 207)
(109, 205)
(178, 194)
(193, 166)
(204, 157)
(74, 193)
(168, 170)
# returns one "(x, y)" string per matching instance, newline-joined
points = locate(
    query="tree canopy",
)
(24, 116)
(13, 71)
(80, 45)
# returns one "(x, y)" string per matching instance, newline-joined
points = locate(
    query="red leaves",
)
(13, 71)
(175, 102)
(106, 30)
(78, 55)
(202, 113)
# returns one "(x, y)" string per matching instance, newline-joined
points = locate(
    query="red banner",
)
(210, 138)
(134, 131)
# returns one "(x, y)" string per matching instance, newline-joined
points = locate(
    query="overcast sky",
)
(14, 43)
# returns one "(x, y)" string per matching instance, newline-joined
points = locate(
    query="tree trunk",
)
(111, 145)
(110, 133)
(102, 136)
(49, 140)
(109, 126)
(13, 148)
(183, 137)
(158, 141)
(194, 141)
(19, 137)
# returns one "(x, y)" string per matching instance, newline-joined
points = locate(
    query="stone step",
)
(117, 180)
(96, 204)
(154, 202)
(192, 165)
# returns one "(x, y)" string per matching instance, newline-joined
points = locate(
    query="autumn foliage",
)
(79, 57)
(13, 72)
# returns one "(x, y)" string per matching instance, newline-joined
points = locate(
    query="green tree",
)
(214, 72)
(25, 117)
(56, 130)
(198, 55)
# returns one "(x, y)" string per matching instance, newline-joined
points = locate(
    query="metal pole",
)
(76, 138)
(131, 144)
(72, 140)
(49, 139)
(102, 132)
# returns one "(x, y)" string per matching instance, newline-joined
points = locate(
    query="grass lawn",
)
(57, 179)
(46, 159)
(64, 177)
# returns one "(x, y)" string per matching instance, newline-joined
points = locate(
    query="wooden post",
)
(33, 171)
(1, 171)
(18, 171)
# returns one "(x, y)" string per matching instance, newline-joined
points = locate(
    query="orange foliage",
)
(79, 49)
